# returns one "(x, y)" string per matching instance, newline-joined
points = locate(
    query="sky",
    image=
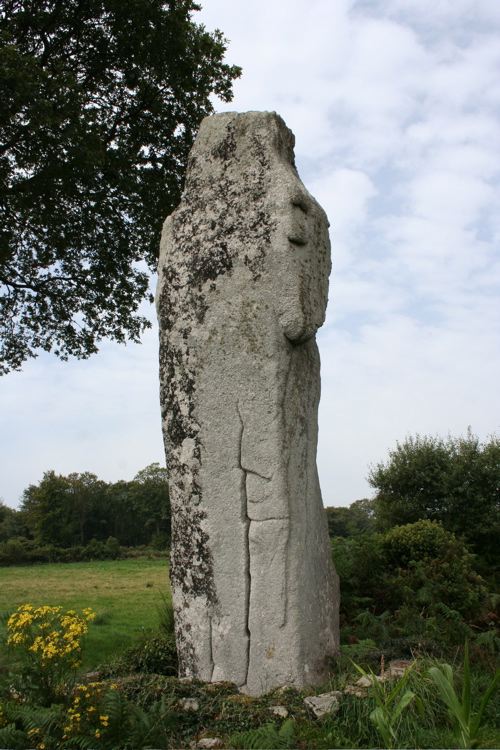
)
(395, 106)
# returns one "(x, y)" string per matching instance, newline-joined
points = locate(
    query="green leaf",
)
(403, 703)
(484, 702)
(466, 688)
(379, 718)
(287, 730)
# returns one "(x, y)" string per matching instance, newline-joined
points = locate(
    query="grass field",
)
(128, 596)
(125, 594)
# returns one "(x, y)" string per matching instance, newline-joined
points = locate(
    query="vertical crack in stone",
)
(211, 647)
(288, 437)
(286, 575)
(246, 520)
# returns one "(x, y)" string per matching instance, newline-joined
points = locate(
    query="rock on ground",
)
(326, 703)
(209, 743)
(280, 711)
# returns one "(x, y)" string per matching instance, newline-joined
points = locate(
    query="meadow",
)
(125, 594)
(137, 701)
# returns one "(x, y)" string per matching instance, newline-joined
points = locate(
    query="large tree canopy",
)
(100, 102)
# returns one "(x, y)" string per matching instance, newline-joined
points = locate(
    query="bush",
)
(48, 641)
(22, 551)
(153, 654)
(429, 568)
(360, 564)
(416, 583)
(453, 481)
(14, 551)
(423, 540)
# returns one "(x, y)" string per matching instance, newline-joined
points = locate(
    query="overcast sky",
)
(395, 107)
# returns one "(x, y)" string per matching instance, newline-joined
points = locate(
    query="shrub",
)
(423, 540)
(415, 583)
(14, 551)
(430, 569)
(113, 547)
(360, 564)
(22, 551)
(154, 654)
(49, 643)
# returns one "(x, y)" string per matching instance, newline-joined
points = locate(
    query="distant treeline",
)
(79, 516)
(454, 482)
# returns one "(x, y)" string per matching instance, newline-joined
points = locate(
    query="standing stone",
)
(242, 290)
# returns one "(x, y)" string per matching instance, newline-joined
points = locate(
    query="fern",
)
(13, 738)
(23, 718)
(150, 727)
(117, 708)
(489, 640)
(266, 737)
(82, 741)
(46, 719)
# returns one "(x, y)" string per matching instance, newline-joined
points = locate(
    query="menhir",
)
(243, 283)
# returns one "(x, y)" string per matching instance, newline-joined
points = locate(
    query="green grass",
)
(125, 594)
(128, 595)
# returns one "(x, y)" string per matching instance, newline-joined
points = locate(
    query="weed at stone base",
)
(165, 611)
(266, 737)
(392, 700)
(466, 721)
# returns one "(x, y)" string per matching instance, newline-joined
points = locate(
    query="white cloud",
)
(395, 108)
(344, 194)
(100, 415)
(443, 17)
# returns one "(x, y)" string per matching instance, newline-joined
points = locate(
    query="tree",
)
(138, 512)
(11, 524)
(65, 511)
(100, 103)
(358, 518)
(152, 496)
(454, 481)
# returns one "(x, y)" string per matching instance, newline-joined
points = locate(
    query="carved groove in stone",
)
(247, 582)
